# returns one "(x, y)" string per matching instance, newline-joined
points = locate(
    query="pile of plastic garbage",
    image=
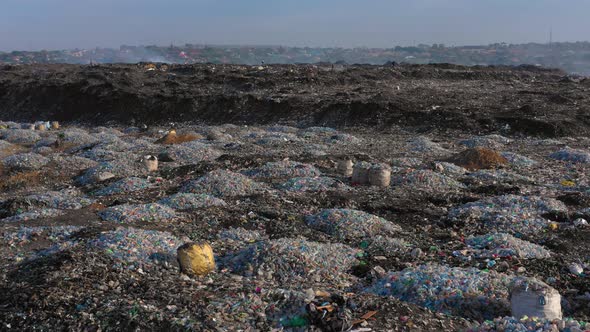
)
(294, 260)
(188, 201)
(135, 248)
(25, 161)
(572, 155)
(470, 292)
(511, 214)
(282, 169)
(126, 185)
(130, 213)
(223, 183)
(313, 184)
(500, 245)
(350, 224)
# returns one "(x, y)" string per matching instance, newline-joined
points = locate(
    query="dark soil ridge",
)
(518, 100)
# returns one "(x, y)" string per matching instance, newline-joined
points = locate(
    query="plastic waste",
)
(576, 268)
(580, 222)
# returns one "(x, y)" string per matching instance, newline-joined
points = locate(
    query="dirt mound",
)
(421, 97)
(478, 158)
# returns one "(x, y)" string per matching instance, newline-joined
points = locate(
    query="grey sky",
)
(57, 24)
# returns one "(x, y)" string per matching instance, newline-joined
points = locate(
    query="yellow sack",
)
(196, 259)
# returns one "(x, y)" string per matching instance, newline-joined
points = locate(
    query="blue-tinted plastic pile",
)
(425, 179)
(313, 184)
(19, 136)
(494, 142)
(350, 224)
(190, 152)
(25, 161)
(120, 168)
(126, 185)
(135, 248)
(468, 292)
(67, 199)
(282, 169)
(131, 213)
(223, 183)
(571, 155)
(511, 214)
(34, 214)
(294, 260)
(500, 245)
(188, 201)
(518, 160)
(425, 145)
(27, 234)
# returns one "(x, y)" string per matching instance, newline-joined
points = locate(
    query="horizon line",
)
(296, 47)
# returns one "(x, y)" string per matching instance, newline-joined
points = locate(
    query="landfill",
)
(90, 237)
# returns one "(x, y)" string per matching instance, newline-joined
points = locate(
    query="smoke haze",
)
(61, 24)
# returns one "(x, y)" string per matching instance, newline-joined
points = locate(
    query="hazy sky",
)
(57, 24)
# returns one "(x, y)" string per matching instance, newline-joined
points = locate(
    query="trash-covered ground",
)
(88, 234)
